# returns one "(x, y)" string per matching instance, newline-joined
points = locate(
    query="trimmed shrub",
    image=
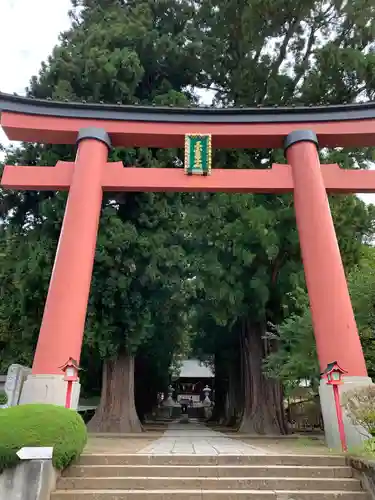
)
(3, 398)
(360, 405)
(41, 425)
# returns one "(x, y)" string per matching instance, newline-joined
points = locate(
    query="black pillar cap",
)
(300, 136)
(94, 133)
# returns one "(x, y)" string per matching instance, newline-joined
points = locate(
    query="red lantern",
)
(333, 373)
(70, 369)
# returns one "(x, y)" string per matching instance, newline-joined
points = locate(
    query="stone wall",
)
(30, 480)
(15, 379)
(365, 471)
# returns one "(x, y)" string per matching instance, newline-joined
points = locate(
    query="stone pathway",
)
(196, 439)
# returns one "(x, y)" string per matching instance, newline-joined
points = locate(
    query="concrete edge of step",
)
(212, 466)
(255, 455)
(204, 492)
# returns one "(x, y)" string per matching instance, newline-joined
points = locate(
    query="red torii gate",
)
(95, 127)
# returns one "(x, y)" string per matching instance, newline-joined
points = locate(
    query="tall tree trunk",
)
(239, 389)
(220, 391)
(116, 411)
(232, 399)
(263, 398)
(145, 389)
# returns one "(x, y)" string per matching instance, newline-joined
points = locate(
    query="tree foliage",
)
(273, 53)
(227, 266)
(296, 358)
(137, 288)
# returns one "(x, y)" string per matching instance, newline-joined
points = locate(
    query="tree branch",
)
(280, 59)
(305, 59)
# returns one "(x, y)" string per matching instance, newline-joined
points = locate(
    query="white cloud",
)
(29, 31)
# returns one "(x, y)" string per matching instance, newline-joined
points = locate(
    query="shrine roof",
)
(173, 114)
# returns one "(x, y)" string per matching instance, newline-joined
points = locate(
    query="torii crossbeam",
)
(116, 177)
(95, 127)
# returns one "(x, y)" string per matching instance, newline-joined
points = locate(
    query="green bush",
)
(360, 405)
(369, 447)
(365, 450)
(3, 398)
(41, 425)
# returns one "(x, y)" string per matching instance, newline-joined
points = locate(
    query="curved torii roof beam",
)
(57, 122)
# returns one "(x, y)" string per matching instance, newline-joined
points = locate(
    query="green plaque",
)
(198, 154)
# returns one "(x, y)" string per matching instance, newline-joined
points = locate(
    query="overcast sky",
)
(29, 31)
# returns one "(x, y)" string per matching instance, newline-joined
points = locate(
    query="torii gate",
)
(95, 127)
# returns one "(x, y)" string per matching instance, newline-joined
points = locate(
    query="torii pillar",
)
(63, 322)
(332, 314)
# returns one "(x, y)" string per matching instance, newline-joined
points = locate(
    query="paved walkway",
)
(196, 439)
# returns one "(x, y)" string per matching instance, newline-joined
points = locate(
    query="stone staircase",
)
(199, 477)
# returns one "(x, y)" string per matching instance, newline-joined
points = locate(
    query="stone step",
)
(193, 483)
(207, 495)
(182, 460)
(207, 471)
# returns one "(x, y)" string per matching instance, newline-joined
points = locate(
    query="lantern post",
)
(207, 391)
(70, 369)
(333, 373)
